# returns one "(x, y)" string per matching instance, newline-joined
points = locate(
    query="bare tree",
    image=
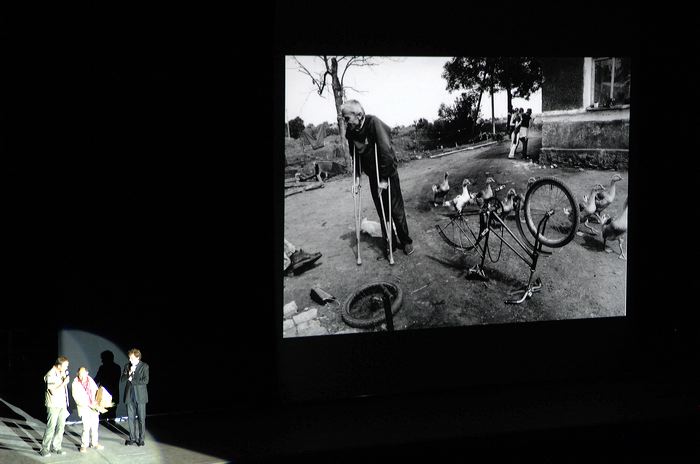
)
(335, 68)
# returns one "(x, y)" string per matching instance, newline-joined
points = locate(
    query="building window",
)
(611, 82)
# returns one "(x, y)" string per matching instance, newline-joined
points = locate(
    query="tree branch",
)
(355, 61)
(354, 89)
(319, 82)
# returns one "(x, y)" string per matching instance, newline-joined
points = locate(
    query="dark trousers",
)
(137, 419)
(398, 213)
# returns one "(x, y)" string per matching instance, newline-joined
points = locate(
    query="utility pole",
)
(493, 117)
(286, 122)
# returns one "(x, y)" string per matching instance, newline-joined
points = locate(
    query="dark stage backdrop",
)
(141, 203)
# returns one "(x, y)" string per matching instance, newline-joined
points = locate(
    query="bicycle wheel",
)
(457, 233)
(551, 196)
(364, 307)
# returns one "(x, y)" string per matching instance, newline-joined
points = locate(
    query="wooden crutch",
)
(358, 203)
(389, 230)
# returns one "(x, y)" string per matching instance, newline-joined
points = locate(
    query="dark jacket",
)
(139, 382)
(372, 132)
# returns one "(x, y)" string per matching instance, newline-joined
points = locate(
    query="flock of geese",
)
(592, 207)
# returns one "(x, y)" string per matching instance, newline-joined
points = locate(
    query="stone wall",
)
(592, 158)
(586, 134)
(590, 143)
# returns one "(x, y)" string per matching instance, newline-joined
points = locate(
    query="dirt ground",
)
(580, 280)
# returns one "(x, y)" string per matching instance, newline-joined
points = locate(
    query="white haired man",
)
(364, 132)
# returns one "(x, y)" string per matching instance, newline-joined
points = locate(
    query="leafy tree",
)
(422, 124)
(473, 73)
(518, 76)
(296, 126)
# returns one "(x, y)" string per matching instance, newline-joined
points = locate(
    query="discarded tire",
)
(364, 307)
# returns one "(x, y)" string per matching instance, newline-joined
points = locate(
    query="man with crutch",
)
(369, 140)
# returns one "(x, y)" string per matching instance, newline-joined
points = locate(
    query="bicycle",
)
(549, 212)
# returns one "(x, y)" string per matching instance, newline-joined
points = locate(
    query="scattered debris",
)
(305, 316)
(320, 296)
(290, 309)
(311, 186)
(421, 288)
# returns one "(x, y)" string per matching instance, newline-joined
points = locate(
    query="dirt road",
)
(579, 280)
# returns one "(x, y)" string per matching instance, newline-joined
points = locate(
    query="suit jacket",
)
(138, 383)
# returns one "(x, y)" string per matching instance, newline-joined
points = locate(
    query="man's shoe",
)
(300, 259)
(83, 449)
(98, 447)
(129, 442)
(141, 443)
(408, 248)
(59, 452)
(44, 453)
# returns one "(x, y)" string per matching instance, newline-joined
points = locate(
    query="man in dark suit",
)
(135, 374)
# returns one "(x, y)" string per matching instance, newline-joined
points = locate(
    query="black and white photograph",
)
(448, 184)
(503, 180)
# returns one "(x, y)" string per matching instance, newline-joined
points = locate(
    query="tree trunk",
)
(510, 105)
(338, 97)
(478, 106)
(493, 114)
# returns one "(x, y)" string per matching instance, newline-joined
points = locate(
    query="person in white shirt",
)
(56, 401)
(84, 391)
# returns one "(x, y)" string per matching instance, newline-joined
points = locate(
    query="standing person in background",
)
(84, 390)
(56, 401)
(108, 376)
(511, 123)
(525, 130)
(135, 374)
(517, 120)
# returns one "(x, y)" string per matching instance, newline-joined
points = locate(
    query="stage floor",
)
(166, 441)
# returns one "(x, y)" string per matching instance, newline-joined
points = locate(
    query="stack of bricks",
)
(301, 324)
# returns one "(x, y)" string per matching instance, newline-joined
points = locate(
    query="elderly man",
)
(364, 132)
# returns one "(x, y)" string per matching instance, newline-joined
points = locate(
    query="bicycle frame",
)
(487, 214)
